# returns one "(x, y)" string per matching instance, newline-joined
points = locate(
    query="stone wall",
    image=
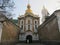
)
(48, 30)
(10, 32)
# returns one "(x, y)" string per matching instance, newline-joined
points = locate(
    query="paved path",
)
(29, 44)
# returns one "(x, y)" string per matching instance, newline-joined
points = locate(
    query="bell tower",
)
(45, 14)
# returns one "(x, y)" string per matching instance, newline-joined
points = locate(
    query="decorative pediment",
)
(28, 31)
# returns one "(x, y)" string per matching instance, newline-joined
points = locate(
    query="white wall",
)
(22, 24)
(0, 30)
(28, 18)
(35, 24)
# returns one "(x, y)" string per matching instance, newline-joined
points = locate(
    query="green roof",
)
(15, 21)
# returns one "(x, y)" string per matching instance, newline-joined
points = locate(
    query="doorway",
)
(28, 39)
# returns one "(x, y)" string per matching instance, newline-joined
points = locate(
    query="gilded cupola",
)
(28, 9)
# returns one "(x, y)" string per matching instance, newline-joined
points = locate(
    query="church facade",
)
(28, 24)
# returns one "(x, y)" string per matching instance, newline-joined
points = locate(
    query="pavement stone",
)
(29, 44)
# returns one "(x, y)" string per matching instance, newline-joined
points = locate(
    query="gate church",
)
(28, 23)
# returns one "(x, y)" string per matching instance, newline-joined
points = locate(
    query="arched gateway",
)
(28, 39)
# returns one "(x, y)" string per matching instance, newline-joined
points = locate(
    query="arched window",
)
(35, 22)
(28, 27)
(28, 21)
(21, 27)
(22, 22)
(36, 27)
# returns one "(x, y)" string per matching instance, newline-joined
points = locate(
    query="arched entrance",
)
(28, 39)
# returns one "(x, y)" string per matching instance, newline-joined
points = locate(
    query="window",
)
(35, 22)
(22, 22)
(36, 27)
(21, 27)
(28, 27)
(28, 21)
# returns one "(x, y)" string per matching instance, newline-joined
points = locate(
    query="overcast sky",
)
(36, 6)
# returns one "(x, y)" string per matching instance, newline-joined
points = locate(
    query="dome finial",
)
(28, 6)
(28, 1)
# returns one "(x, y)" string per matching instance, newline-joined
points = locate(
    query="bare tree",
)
(7, 5)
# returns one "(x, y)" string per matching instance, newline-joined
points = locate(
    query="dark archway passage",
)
(29, 38)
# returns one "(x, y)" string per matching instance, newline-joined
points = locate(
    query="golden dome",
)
(28, 9)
